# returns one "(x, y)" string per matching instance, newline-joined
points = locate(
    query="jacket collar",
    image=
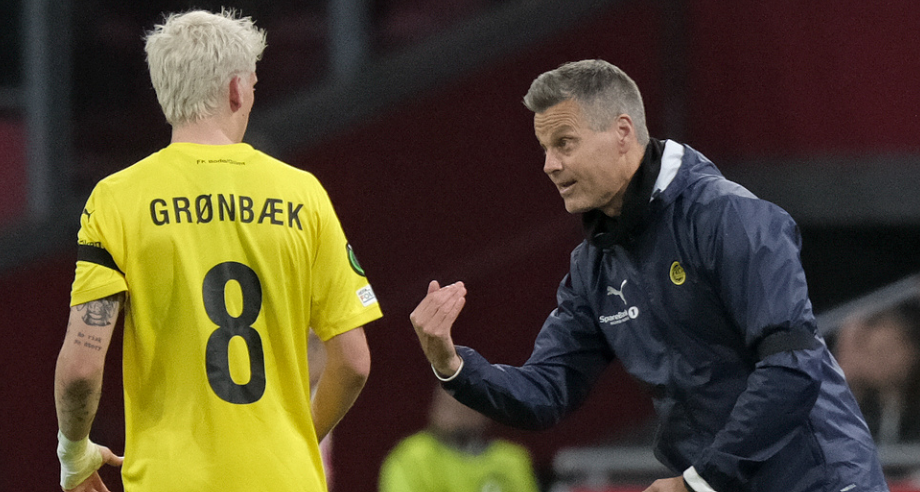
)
(671, 159)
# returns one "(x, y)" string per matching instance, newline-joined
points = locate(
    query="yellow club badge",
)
(678, 275)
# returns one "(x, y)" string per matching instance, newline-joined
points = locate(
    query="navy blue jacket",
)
(709, 306)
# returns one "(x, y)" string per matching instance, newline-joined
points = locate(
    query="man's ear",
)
(235, 94)
(623, 125)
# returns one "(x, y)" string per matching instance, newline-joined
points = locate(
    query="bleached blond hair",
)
(192, 57)
(602, 90)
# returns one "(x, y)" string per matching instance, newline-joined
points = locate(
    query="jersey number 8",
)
(217, 353)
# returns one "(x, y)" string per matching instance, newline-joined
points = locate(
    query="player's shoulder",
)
(128, 175)
(285, 170)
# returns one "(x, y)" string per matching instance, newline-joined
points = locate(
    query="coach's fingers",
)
(459, 307)
(436, 300)
(446, 298)
(447, 313)
(429, 303)
(444, 295)
(436, 315)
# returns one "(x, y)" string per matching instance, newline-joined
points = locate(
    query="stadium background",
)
(430, 159)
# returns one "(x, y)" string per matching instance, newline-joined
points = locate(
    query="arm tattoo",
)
(101, 312)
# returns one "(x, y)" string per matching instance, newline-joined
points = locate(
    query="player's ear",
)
(235, 93)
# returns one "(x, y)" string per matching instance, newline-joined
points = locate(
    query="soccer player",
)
(222, 258)
(694, 284)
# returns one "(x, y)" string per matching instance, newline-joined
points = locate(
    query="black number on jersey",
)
(217, 354)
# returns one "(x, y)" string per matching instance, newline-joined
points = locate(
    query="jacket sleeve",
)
(754, 248)
(569, 355)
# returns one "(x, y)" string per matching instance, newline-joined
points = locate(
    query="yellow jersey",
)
(423, 463)
(228, 257)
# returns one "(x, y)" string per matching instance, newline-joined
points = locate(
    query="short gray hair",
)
(193, 56)
(602, 90)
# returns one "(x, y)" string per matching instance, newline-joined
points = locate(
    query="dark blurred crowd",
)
(879, 352)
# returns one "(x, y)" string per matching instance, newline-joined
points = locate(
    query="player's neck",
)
(208, 131)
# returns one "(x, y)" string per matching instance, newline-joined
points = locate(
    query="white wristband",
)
(450, 378)
(696, 481)
(79, 459)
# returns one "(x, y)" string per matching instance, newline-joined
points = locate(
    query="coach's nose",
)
(551, 162)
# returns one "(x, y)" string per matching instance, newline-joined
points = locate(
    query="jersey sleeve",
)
(342, 296)
(99, 251)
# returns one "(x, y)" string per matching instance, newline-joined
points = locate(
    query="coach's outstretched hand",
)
(433, 319)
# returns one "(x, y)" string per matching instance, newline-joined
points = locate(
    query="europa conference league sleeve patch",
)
(366, 295)
(353, 261)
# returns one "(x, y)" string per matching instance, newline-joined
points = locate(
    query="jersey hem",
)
(348, 324)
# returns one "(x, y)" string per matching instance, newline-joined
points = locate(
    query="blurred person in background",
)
(880, 356)
(456, 454)
(223, 258)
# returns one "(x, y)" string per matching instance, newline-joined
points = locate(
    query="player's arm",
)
(77, 388)
(78, 375)
(348, 364)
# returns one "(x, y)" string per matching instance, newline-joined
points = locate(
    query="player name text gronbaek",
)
(203, 209)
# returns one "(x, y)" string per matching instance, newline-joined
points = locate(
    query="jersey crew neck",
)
(203, 154)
